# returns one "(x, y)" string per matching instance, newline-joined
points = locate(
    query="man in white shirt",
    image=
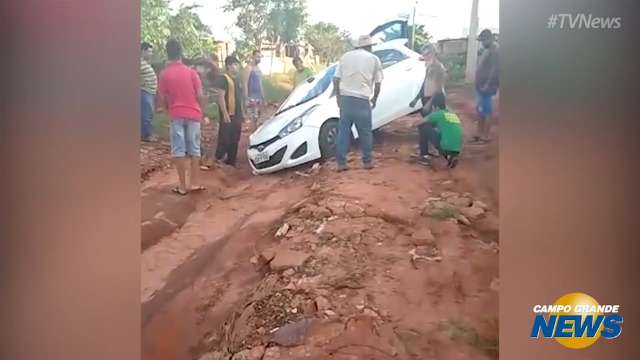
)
(358, 77)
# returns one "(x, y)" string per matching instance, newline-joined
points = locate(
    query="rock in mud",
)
(372, 211)
(449, 194)
(309, 308)
(336, 206)
(272, 353)
(289, 273)
(322, 303)
(216, 355)
(254, 354)
(460, 201)
(286, 259)
(321, 212)
(330, 313)
(422, 237)
(283, 230)
(481, 205)
(463, 220)
(293, 334)
(371, 313)
(314, 212)
(354, 210)
(472, 213)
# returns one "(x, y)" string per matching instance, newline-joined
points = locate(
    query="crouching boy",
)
(443, 130)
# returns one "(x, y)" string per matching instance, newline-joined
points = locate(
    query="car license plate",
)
(261, 157)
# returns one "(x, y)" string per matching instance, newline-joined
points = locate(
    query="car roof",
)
(397, 44)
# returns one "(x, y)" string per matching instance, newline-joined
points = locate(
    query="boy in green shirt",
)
(443, 130)
(302, 72)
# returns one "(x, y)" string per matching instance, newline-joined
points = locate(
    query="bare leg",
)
(195, 169)
(486, 126)
(181, 167)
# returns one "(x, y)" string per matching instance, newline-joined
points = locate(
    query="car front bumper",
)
(298, 148)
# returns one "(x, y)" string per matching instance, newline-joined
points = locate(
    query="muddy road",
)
(400, 262)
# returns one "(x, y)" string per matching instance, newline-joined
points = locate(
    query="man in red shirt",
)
(180, 93)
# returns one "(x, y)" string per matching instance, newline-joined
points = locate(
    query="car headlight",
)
(295, 124)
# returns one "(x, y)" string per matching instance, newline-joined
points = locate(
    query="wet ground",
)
(397, 262)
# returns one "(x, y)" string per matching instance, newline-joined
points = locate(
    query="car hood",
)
(271, 127)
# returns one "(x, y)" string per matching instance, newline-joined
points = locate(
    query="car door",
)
(392, 30)
(402, 77)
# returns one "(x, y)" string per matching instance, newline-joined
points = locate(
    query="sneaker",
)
(341, 168)
(425, 160)
(368, 166)
(452, 162)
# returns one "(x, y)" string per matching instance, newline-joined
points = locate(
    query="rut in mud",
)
(398, 262)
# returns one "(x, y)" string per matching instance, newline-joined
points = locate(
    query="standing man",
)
(180, 93)
(434, 80)
(148, 87)
(252, 84)
(486, 83)
(230, 98)
(358, 76)
(302, 72)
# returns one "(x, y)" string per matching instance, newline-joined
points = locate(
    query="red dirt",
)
(201, 294)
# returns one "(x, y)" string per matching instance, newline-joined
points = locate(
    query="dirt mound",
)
(340, 294)
(154, 156)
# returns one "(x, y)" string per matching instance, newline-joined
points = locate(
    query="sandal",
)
(198, 188)
(179, 192)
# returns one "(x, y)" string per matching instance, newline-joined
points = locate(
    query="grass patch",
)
(161, 120)
(443, 213)
(161, 125)
(462, 333)
(277, 87)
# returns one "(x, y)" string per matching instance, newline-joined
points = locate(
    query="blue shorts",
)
(484, 106)
(185, 138)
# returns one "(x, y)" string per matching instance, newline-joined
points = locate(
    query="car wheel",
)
(328, 137)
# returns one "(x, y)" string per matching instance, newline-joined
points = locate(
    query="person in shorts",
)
(486, 84)
(443, 130)
(252, 86)
(180, 93)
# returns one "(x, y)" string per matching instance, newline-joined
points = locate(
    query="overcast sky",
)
(442, 18)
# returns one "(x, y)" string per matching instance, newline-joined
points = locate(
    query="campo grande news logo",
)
(577, 321)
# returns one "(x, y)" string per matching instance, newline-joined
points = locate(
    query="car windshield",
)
(309, 89)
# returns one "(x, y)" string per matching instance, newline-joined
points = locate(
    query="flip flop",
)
(179, 192)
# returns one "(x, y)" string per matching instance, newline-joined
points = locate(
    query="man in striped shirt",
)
(148, 87)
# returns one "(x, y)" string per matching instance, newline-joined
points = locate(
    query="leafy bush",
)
(277, 87)
(455, 65)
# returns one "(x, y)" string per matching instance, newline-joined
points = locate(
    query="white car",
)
(304, 128)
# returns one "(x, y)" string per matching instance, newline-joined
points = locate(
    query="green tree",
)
(252, 18)
(329, 41)
(158, 24)
(275, 20)
(194, 36)
(421, 37)
(154, 22)
(286, 20)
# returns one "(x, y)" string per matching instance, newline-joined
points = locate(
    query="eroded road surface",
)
(400, 262)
